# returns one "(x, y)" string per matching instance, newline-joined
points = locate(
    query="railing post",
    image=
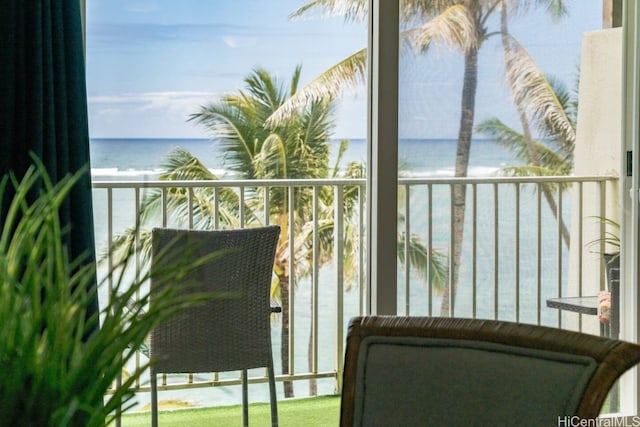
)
(483, 262)
(338, 259)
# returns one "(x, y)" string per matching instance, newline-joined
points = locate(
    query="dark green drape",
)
(43, 103)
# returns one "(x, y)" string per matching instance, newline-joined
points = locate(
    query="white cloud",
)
(166, 114)
(156, 114)
(141, 7)
(127, 97)
(239, 42)
(174, 101)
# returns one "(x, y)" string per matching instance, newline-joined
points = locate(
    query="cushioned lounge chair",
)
(421, 371)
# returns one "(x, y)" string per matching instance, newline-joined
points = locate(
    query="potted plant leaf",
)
(609, 248)
(56, 362)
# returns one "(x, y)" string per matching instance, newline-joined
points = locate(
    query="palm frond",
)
(531, 171)
(271, 160)
(125, 243)
(328, 85)
(432, 265)
(551, 162)
(526, 171)
(355, 170)
(420, 11)
(531, 89)
(295, 80)
(454, 28)
(266, 92)
(351, 10)
(344, 144)
(557, 9)
(230, 123)
(180, 164)
(358, 10)
(324, 237)
(569, 103)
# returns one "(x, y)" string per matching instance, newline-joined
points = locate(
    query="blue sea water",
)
(137, 158)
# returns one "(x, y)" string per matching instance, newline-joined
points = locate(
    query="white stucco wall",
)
(599, 129)
(597, 149)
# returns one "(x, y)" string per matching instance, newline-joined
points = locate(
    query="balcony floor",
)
(314, 411)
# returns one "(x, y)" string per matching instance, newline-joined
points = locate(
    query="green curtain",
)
(43, 103)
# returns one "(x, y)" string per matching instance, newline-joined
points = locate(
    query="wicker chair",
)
(228, 333)
(421, 371)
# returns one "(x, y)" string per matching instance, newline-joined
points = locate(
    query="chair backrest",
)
(421, 371)
(232, 330)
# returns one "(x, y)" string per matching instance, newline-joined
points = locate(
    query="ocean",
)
(142, 159)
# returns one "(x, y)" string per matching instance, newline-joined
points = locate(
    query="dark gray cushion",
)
(440, 382)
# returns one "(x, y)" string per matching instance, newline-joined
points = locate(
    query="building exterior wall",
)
(597, 150)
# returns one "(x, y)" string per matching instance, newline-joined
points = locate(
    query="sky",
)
(153, 63)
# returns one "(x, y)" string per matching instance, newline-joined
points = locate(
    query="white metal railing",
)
(515, 255)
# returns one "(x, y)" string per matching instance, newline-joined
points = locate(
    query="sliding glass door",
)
(494, 99)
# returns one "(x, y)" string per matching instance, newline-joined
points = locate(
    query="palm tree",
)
(547, 104)
(545, 156)
(294, 148)
(549, 155)
(458, 24)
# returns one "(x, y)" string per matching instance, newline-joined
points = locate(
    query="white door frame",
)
(382, 157)
(629, 185)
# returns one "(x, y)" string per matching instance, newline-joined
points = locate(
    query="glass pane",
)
(491, 93)
(206, 76)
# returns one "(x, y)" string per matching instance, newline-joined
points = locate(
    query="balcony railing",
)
(516, 251)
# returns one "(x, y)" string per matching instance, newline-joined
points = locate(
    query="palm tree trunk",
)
(526, 129)
(284, 335)
(458, 196)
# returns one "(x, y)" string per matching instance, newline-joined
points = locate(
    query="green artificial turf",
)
(309, 412)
